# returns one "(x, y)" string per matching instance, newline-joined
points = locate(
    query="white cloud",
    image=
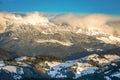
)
(100, 22)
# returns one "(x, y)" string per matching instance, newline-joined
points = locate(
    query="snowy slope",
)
(94, 65)
(81, 67)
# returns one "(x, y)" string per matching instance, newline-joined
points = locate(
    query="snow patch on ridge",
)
(21, 58)
(111, 39)
(55, 41)
(11, 69)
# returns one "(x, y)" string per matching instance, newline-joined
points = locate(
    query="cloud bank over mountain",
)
(71, 21)
(100, 22)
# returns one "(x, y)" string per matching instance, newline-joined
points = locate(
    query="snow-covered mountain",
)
(59, 46)
(37, 34)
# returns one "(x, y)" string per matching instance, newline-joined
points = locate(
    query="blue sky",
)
(111, 7)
